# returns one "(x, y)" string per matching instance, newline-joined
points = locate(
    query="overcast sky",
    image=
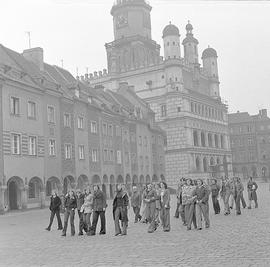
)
(76, 31)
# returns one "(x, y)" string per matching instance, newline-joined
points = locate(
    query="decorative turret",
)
(171, 41)
(209, 58)
(190, 45)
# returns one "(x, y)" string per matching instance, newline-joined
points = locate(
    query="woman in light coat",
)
(165, 207)
(86, 210)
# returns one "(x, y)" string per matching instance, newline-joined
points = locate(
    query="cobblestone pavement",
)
(231, 241)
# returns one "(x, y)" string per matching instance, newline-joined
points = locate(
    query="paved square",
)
(231, 241)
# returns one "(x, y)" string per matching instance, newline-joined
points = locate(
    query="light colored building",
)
(184, 96)
(250, 143)
(57, 134)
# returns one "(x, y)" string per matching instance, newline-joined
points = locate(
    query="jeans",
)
(165, 218)
(120, 211)
(182, 213)
(71, 214)
(226, 202)
(137, 213)
(216, 205)
(57, 213)
(81, 223)
(243, 200)
(96, 215)
(237, 202)
(202, 209)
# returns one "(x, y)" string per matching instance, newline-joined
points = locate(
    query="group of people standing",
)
(151, 205)
(193, 199)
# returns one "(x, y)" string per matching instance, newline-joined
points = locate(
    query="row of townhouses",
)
(57, 134)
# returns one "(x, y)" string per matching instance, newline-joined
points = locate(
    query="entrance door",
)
(12, 192)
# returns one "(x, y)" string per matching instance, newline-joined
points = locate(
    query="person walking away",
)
(178, 195)
(136, 203)
(165, 207)
(215, 188)
(188, 200)
(120, 212)
(252, 192)
(238, 190)
(182, 207)
(55, 210)
(201, 206)
(86, 210)
(80, 201)
(99, 208)
(70, 206)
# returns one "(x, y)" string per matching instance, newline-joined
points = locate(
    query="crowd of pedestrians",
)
(151, 205)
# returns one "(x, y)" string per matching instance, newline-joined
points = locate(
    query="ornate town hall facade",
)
(184, 96)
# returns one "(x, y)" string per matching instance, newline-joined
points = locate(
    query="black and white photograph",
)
(134, 133)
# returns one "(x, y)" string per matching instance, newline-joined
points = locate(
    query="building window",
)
(195, 138)
(93, 127)
(105, 155)
(110, 130)
(81, 152)
(222, 141)
(205, 165)
(126, 158)
(264, 171)
(16, 144)
(249, 129)
(111, 156)
(198, 164)
(51, 114)
(203, 139)
(250, 141)
(80, 122)
(216, 141)
(31, 110)
(119, 157)
(94, 155)
(67, 120)
(210, 140)
(32, 146)
(192, 107)
(14, 106)
(145, 141)
(163, 111)
(68, 151)
(173, 43)
(52, 147)
(104, 129)
(32, 190)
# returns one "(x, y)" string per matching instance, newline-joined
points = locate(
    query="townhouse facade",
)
(250, 143)
(56, 134)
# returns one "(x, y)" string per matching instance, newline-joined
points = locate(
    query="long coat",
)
(99, 201)
(124, 205)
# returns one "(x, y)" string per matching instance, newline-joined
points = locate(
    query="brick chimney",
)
(35, 55)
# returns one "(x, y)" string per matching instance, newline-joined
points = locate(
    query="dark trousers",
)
(120, 212)
(71, 214)
(216, 205)
(176, 215)
(96, 215)
(190, 215)
(137, 213)
(81, 222)
(57, 213)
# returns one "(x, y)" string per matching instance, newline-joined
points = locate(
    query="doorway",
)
(12, 193)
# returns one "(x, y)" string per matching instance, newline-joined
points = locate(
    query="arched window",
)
(210, 141)
(198, 165)
(205, 167)
(32, 190)
(216, 140)
(192, 107)
(218, 161)
(195, 138)
(203, 139)
(48, 188)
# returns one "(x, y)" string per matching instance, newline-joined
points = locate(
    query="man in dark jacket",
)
(136, 201)
(99, 208)
(80, 201)
(55, 210)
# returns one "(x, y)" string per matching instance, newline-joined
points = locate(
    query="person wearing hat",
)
(202, 208)
(136, 203)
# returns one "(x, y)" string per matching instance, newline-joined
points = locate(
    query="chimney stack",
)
(35, 55)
